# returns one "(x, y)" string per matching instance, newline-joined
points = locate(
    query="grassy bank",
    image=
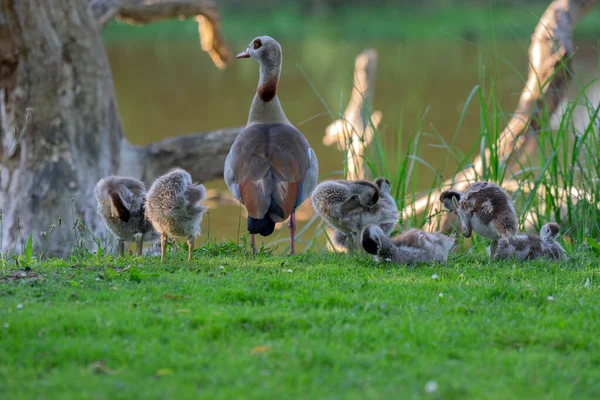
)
(458, 22)
(311, 326)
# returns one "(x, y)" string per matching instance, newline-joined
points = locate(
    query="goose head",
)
(267, 52)
(550, 231)
(263, 49)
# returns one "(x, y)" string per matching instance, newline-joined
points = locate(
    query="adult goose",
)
(270, 168)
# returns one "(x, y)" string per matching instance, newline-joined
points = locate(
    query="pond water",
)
(169, 88)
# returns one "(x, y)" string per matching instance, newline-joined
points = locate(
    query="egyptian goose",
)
(411, 247)
(484, 208)
(173, 207)
(271, 169)
(121, 207)
(348, 206)
(529, 247)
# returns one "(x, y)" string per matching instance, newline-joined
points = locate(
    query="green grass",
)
(231, 325)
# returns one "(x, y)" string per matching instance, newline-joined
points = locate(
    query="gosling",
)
(348, 206)
(529, 247)
(121, 207)
(173, 207)
(484, 208)
(411, 247)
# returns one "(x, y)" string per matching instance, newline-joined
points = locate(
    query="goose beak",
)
(244, 54)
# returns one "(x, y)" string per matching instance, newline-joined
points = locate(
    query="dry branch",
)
(549, 72)
(144, 11)
(355, 130)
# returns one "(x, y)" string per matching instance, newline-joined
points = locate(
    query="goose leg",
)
(253, 237)
(163, 246)
(190, 243)
(292, 233)
(120, 248)
(139, 243)
(493, 248)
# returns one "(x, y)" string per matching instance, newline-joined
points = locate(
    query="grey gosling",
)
(121, 207)
(528, 247)
(173, 207)
(348, 206)
(410, 247)
(386, 202)
(484, 208)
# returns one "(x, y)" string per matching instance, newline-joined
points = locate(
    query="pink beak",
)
(244, 54)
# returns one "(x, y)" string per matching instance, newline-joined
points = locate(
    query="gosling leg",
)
(493, 248)
(139, 243)
(120, 248)
(163, 246)
(190, 243)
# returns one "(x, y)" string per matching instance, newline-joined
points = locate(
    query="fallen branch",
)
(549, 72)
(202, 155)
(355, 130)
(145, 11)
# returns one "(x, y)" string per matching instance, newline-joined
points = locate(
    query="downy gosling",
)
(484, 208)
(411, 247)
(529, 247)
(348, 206)
(121, 207)
(173, 207)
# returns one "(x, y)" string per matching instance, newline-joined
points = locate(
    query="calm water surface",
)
(169, 88)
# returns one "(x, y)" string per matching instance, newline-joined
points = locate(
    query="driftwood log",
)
(52, 60)
(550, 55)
(354, 131)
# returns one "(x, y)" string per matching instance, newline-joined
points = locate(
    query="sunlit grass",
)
(230, 325)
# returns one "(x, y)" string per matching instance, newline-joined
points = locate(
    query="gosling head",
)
(450, 199)
(365, 191)
(550, 231)
(383, 185)
(371, 240)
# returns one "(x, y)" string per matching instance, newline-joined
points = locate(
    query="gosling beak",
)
(244, 54)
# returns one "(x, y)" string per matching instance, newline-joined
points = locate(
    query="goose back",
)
(271, 169)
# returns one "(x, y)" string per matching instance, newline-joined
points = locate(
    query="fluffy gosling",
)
(411, 247)
(121, 207)
(484, 208)
(173, 207)
(529, 247)
(348, 206)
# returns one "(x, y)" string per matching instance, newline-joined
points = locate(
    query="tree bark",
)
(354, 132)
(550, 70)
(52, 59)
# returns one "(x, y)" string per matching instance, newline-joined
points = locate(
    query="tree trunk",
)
(52, 59)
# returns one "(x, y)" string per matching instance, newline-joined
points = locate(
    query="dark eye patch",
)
(257, 44)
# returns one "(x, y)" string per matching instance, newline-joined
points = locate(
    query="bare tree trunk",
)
(354, 132)
(549, 72)
(52, 60)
